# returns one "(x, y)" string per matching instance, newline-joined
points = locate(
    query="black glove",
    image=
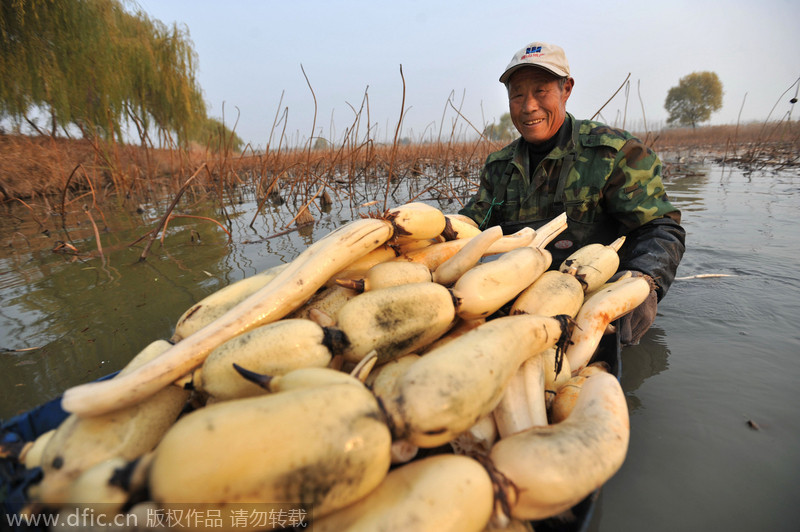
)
(635, 323)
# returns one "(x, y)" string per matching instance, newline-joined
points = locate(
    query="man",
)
(607, 181)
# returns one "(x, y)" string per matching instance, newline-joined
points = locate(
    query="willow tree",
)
(693, 100)
(214, 135)
(97, 66)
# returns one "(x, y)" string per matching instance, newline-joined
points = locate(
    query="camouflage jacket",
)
(606, 180)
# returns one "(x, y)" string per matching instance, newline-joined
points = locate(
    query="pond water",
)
(66, 319)
(715, 419)
(712, 387)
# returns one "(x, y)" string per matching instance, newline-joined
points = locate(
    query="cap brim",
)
(508, 72)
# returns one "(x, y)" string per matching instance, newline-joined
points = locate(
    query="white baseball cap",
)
(539, 54)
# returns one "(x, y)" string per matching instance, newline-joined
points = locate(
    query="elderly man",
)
(606, 180)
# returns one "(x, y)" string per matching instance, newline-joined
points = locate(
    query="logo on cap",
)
(532, 51)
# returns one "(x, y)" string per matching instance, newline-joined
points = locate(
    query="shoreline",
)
(36, 166)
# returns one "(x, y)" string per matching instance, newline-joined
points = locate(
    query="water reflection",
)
(67, 319)
(642, 361)
(685, 190)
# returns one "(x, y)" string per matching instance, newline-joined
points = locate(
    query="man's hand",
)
(634, 324)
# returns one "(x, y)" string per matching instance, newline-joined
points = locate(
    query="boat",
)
(15, 479)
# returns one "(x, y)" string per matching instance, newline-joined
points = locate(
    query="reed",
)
(749, 146)
(306, 176)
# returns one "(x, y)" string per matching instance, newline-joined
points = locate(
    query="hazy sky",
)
(250, 52)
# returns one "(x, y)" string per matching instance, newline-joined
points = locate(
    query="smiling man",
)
(605, 179)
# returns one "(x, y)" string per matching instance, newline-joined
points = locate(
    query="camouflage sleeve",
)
(635, 195)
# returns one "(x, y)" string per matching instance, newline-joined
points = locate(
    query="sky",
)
(252, 56)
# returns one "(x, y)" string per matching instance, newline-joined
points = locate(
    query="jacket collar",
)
(517, 151)
(562, 146)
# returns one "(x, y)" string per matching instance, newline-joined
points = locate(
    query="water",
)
(723, 351)
(67, 319)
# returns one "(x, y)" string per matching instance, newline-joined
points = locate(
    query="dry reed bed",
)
(750, 146)
(61, 182)
(79, 177)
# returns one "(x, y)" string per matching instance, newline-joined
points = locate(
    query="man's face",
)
(537, 104)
